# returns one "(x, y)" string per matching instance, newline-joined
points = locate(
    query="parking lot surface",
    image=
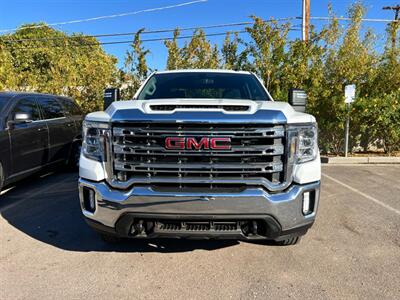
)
(352, 252)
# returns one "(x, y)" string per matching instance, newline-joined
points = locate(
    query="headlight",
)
(307, 143)
(94, 140)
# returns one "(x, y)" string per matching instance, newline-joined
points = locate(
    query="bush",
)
(379, 120)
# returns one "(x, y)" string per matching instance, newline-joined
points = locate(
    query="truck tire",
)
(109, 238)
(290, 241)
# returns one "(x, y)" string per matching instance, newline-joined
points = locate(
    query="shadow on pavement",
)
(47, 209)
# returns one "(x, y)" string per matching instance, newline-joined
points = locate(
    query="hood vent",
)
(172, 107)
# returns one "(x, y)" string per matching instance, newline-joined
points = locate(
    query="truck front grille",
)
(257, 152)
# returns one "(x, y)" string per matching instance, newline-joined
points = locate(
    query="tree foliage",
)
(267, 49)
(232, 57)
(7, 73)
(136, 69)
(174, 60)
(379, 119)
(53, 62)
(199, 53)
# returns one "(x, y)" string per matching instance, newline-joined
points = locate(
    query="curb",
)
(360, 160)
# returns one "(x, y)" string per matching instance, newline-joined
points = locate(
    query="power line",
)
(148, 31)
(111, 16)
(127, 42)
(170, 38)
(144, 40)
(132, 33)
(349, 19)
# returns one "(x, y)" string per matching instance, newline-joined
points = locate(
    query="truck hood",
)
(201, 110)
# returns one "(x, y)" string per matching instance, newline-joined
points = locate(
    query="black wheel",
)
(1, 177)
(290, 241)
(73, 160)
(110, 239)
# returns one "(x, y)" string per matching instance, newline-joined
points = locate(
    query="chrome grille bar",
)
(277, 131)
(232, 168)
(121, 148)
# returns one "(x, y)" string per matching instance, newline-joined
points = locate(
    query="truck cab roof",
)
(202, 71)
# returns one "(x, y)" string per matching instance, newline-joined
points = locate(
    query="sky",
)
(14, 13)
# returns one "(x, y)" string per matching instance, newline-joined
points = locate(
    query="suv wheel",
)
(1, 177)
(73, 160)
(289, 241)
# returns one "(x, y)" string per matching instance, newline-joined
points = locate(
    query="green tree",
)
(267, 49)
(50, 61)
(199, 53)
(381, 116)
(387, 78)
(7, 75)
(348, 59)
(136, 69)
(174, 59)
(303, 66)
(232, 59)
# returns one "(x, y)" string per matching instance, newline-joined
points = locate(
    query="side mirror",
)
(20, 118)
(111, 95)
(298, 99)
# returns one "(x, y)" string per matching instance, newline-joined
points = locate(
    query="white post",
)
(346, 138)
(349, 96)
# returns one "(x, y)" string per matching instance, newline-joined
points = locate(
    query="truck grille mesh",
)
(257, 151)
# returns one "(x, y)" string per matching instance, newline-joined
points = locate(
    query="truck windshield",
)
(203, 85)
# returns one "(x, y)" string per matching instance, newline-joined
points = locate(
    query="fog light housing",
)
(89, 199)
(308, 202)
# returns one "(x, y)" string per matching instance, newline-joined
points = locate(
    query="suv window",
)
(3, 101)
(51, 108)
(70, 106)
(203, 85)
(28, 106)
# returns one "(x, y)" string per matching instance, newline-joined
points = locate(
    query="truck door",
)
(29, 140)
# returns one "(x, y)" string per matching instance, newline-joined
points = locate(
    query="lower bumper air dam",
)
(252, 227)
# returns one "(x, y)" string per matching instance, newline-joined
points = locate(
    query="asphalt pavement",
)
(352, 251)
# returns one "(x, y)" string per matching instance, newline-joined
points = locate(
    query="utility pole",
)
(306, 20)
(396, 10)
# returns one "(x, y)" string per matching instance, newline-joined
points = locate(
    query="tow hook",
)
(254, 227)
(138, 228)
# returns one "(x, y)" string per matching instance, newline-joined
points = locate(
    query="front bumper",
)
(116, 210)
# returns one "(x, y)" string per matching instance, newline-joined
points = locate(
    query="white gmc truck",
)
(201, 154)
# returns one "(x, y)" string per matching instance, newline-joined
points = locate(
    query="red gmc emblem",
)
(192, 143)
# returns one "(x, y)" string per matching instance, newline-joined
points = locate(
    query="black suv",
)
(37, 130)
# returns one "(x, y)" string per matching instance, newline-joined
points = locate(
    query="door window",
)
(27, 106)
(72, 108)
(51, 108)
(3, 101)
